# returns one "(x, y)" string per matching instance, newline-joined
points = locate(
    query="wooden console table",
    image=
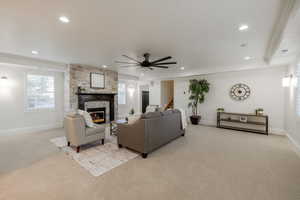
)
(251, 123)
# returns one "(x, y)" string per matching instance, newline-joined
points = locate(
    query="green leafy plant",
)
(220, 109)
(197, 90)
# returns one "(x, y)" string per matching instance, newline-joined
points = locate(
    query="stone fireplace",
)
(100, 103)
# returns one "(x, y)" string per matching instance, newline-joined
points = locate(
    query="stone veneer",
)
(79, 75)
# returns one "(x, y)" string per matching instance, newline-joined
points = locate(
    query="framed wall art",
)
(97, 80)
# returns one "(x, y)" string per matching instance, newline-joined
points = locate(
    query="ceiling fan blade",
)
(129, 66)
(131, 58)
(121, 62)
(166, 63)
(164, 67)
(162, 59)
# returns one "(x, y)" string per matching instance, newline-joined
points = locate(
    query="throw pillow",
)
(87, 118)
(133, 119)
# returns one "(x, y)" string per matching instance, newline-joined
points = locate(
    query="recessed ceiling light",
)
(104, 66)
(35, 52)
(243, 27)
(182, 68)
(64, 19)
(247, 58)
(284, 50)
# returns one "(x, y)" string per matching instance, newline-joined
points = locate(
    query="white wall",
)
(155, 93)
(13, 116)
(292, 120)
(266, 92)
(131, 101)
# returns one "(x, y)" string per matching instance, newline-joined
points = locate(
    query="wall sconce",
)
(286, 81)
(131, 91)
(289, 81)
(3, 81)
(5, 87)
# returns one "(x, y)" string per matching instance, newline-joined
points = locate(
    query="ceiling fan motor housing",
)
(146, 63)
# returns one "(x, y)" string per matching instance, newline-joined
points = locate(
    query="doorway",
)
(145, 100)
(167, 94)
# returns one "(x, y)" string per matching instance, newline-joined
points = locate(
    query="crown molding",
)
(289, 8)
(28, 62)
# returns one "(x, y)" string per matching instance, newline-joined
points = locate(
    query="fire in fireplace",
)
(98, 115)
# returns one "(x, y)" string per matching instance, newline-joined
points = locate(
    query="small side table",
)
(114, 125)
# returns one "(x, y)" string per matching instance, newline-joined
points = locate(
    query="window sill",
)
(40, 110)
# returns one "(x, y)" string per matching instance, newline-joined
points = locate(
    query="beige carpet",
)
(22, 150)
(209, 163)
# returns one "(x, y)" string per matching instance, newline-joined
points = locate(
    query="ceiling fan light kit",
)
(146, 63)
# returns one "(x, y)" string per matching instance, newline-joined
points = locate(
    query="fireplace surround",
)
(98, 102)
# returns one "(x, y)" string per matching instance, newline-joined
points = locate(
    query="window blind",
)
(40, 92)
(121, 93)
(298, 91)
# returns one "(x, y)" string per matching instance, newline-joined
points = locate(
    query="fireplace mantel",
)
(96, 94)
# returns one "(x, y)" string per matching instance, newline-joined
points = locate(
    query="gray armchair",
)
(78, 134)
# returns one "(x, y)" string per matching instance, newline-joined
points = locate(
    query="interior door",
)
(145, 100)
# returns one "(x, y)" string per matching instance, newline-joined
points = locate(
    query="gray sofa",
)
(151, 131)
(78, 134)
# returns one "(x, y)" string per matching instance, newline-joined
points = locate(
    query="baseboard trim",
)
(294, 142)
(277, 131)
(30, 129)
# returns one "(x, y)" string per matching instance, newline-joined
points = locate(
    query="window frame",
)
(26, 108)
(125, 95)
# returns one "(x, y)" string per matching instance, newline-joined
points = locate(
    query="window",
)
(121, 93)
(40, 92)
(298, 91)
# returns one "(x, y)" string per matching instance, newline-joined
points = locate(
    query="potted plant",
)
(197, 90)
(259, 111)
(220, 110)
(131, 112)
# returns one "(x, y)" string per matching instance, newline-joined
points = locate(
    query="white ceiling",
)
(201, 35)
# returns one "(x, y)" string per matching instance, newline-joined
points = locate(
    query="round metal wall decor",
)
(240, 92)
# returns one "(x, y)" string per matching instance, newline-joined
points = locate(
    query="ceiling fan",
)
(146, 63)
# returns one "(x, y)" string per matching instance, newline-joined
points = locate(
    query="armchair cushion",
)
(95, 130)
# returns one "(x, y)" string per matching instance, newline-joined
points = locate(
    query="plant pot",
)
(195, 119)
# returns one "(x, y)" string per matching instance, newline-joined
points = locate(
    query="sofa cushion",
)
(150, 115)
(95, 130)
(168, 112)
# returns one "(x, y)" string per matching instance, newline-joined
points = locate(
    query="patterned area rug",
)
(97, 158)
